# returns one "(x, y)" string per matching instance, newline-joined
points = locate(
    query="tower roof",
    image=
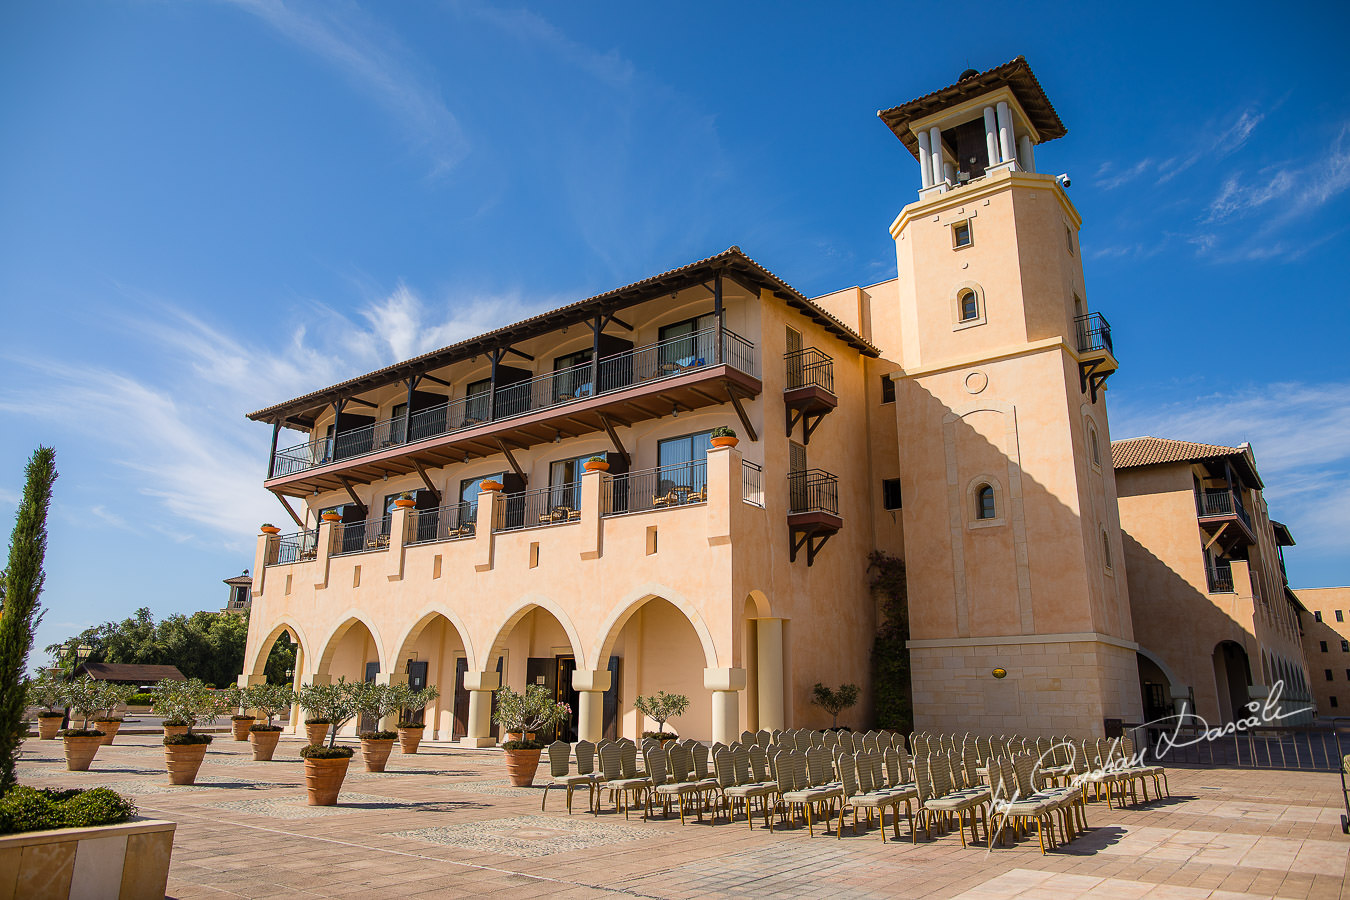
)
(1015, 75)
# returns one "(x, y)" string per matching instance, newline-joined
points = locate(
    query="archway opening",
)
(433, 654)
(1232, 678)
(1155, 688)
(279, 657)
(537, 650)
(657, 649)
(352, 654)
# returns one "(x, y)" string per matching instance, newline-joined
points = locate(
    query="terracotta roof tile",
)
(1132, 453)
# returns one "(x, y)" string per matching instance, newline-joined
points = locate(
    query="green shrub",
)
(379, 735)
(28, 809)
(264, 728)
(176, 740)
(411, 725)
(243, 718)
(318, 721)
(523, 745)
(318, 751)
(144, 698)
(79, 732)
(51, 715)
(176, 721)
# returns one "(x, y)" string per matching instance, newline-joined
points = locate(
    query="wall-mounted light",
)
(676, 411)
(1000, 673)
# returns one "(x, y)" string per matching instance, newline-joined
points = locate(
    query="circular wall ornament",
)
(1000, 673)
(976, 382)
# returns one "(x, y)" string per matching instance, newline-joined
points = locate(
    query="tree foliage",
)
(834, 702)
(894, 705)
(334, 703)
(19, 614)
(188, 702)
(535, 711)
(662, 707)
(205, 645)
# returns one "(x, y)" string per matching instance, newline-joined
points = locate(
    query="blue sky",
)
(207, 207)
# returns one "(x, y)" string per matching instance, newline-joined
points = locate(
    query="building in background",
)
(241, 594)
(452, 532)
(1216, 622)
(1326, 643)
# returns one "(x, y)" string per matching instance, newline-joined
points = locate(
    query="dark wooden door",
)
(566, 693)
(460, 717)
(417, 680)
(972, 150)
(543, 670)
(611, 701)
(368, 722)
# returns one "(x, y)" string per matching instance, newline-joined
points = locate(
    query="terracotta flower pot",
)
(375, 752)
(332, 517)
(592, 465)
(725, 441)
(240, 728)
(409, 739)
(48, 726)
(171, 730)
(515, 736)
(109, 730)
(80, 752)
(490, 485)
(323, 780)
(316, 734)
(405, 503)
(264, 744)
(271, 529)
(183, 761)
(521, 765)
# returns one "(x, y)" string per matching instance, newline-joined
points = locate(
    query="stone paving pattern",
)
(445, 824)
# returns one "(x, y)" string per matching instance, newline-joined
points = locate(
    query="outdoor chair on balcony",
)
(377, 542)
(663, 500)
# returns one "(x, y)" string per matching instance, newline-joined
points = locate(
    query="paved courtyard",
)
(444, 823)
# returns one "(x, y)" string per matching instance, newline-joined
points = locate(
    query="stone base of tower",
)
(1056, 684)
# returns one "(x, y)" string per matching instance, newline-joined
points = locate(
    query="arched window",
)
(1106, 550)
(984, 503)
(1094, 447)
(970, 306)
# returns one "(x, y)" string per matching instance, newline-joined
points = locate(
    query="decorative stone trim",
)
(87, 862)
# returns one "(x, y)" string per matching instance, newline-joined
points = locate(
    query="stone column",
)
(390, 721)
(925, 160)
(1027, 157)
(991, 136)
(935, 146)
(769, 646)
(591, 685)
(1005, 131)
(725, 684)
(480, 686)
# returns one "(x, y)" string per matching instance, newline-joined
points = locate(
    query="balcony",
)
(813, 512)
(360, 536)
(1224, 518)
(683, 373)
(665, 487)
(542, 507)
(1219, 577)
(453, 522)
(808, 389)
(1097, 359)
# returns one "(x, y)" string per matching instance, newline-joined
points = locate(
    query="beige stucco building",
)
(953, 416)
(1326, 643)
(1216, 622)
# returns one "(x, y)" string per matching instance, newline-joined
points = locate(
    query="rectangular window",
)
(1333, 699)
(683, 462)
(572, 376)
(1345, 646)
(687, 344)
(564, 481)
(890, 493)
(1340, 616)
(961, 234)
(1324, 646)
(1318, 615)
(887, 389)
(1328, 671)
(469, 487)
(476, 405)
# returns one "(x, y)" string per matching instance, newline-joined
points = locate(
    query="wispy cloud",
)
(607, 66)
(377, 64)
(1292, 189)
(1300, 434)
(181, 439)
(1226, 143)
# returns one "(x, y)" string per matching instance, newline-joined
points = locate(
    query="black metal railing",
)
(1094, 333)
(752, 483)
(639, 366)
(1316, 748)
(813, 490)
(292, 548)
(808, 367)
(358, 537)
(1219, 576)
(1221, 502)
(556, 505)
(663, 487)
(444, 523)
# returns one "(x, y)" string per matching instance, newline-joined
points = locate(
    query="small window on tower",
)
(890, 493)
(1340, 616)
(1068, 238)
(887, 389)
(970, 306)
(961, 234)
(984, 503)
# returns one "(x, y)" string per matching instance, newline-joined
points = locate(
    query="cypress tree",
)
(19, 615)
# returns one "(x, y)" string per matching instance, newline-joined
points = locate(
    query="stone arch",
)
(1172, 679)
(335, 637)
(258, 665)
(523, 608)
(760, 602)
(634, 601)
(425, 618)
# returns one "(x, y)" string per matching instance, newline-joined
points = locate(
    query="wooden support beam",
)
(422, 473)
(704, 394)
(350, 492)
(434, 380)
(363, 402)
(617, 321)
(520, 354)
(282, 501)
(744, 417)
(1217, 535)
(614, 439)
(272, 456)
(511, 460)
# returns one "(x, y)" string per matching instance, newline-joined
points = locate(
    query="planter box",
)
(126, 862)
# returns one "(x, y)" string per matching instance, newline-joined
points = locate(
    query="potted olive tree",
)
(662, 707)
(409, 729)
(326, 766)
(522, 716)
(111, 696)
(834, 701)
(83, 697)
(271, 700)
(378, 701)
(48, 693)
(241, 721)
(317, 722)
(187, 702)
